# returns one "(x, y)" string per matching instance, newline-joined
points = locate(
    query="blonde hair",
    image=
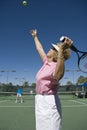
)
(66, 54)
(55, 57)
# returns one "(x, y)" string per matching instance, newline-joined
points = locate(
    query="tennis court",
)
(20, 116)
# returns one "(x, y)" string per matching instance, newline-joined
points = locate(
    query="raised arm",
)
(38, 44)
(60, 66)
(63, 54)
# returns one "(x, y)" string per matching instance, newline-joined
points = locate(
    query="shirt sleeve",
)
(45, 59)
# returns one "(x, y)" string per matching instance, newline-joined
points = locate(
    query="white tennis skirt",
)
(47, 112)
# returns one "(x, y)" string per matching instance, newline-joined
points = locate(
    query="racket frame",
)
(73, 48)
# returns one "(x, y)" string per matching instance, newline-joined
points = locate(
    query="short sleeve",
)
(45, 59)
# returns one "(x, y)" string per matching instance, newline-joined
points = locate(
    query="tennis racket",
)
(82, 57)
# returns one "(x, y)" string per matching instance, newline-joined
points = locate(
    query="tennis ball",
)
(24, 3)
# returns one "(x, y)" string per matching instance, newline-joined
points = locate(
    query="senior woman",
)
(47, 103)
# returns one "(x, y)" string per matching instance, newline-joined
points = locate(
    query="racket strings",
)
(83, 63)
(84, 56)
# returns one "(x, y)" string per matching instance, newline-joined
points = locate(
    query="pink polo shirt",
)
(45, 84)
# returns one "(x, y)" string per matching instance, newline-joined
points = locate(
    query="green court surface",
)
(20, 116)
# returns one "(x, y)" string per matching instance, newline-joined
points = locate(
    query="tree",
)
(33, 85)
(25, 84)
(81, 80)
(70, 86)
(69, 83)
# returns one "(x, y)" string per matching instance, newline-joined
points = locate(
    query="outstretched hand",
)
(66, 44)
(33, 33)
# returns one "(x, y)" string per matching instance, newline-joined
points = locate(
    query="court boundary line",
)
(19, 106)
(63, 106)
(1, 101)
(82, 104)
(79, 102)
(74, 106)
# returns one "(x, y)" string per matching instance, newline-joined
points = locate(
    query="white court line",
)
(18, 106)
(63, 106)
(74, 106)
(82, 104)
(4, 101)
(78, 102)
(34, 107)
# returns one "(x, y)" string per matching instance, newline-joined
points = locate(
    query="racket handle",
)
(62, 39)
(73, 48)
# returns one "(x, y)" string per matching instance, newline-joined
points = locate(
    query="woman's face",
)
(51, 52)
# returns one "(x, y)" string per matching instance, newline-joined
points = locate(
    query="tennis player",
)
(47, 103)
(19, 95)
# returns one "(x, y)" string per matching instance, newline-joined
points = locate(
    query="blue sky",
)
(52, 19)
